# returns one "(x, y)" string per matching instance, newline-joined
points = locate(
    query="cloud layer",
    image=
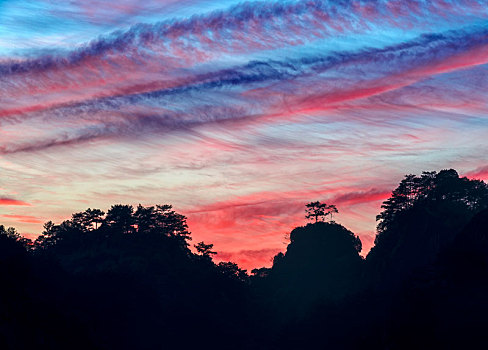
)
(237, 113)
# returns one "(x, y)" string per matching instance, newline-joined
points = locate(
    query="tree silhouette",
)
(48, 238)
(232, 270)
(205, 250)
(432, 187)
(121, 277)
(318, 210)
(172, 223)
(332, 209)
(12, 241)
(146, 219)
(119, 217)
(89, 219)
(129, 280)
(423, 215)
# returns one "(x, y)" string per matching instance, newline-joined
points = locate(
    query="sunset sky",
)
(236, 113)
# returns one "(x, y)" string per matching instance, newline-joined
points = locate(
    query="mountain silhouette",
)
(128, 278)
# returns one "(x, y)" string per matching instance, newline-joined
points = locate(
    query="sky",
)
(236, 113)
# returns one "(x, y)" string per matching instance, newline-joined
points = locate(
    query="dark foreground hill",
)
(127, 279)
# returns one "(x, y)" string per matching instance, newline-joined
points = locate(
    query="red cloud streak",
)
(480, 173)
(23, 218)
(252, 216)
(359, 197)
(11, 201)
(249, 259)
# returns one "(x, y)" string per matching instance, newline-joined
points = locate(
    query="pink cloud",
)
(23, 218)
(11, 201)
(249, 259)
(371, 195)
(479, 173)
(367, 242)
(259, 222)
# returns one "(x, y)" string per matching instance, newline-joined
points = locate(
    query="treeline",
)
(127, 279)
